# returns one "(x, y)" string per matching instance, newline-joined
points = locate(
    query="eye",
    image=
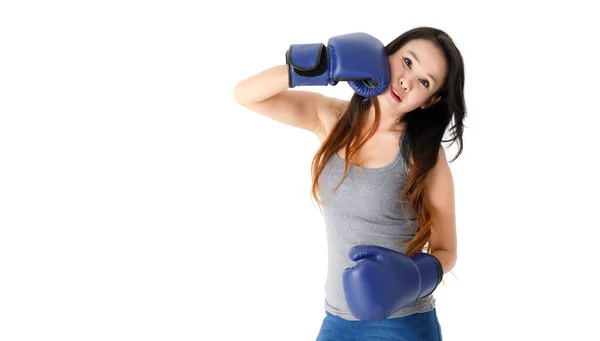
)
(408, 63)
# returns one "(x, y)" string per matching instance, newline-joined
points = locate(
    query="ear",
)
(431, 101)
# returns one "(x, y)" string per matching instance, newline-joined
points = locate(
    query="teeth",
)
(395, 93)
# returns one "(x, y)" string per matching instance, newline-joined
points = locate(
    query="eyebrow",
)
(417, 59)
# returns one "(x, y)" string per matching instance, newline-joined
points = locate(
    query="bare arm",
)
(268, 94)
(440, 197)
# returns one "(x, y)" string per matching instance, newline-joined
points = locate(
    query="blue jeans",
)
(415, 327)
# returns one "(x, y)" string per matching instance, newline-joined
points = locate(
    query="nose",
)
(403, 81)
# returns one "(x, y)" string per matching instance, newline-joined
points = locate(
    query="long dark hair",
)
(423, 132)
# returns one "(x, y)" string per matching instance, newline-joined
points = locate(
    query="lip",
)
(394, 96)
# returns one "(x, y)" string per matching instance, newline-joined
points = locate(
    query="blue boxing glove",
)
(384, 281)
(357, 58)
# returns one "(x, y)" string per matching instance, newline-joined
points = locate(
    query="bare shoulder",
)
(329, 114)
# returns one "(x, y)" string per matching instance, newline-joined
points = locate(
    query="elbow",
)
(242, 96)
(238, 94)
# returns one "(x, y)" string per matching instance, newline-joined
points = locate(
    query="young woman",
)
(381, 174)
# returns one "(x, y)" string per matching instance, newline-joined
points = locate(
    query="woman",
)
(381, 173)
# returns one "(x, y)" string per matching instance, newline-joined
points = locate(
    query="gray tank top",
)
(365, 209)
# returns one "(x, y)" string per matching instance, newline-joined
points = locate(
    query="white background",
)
(138, 201)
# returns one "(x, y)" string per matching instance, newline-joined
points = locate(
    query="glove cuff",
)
(431, 272)
(307, 64)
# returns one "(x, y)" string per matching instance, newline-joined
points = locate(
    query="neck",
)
(388, 121)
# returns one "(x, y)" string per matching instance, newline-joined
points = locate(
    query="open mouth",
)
(395, 95)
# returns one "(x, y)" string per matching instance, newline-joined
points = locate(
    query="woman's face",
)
(417, 71)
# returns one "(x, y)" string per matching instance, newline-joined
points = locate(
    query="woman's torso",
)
(366, 209)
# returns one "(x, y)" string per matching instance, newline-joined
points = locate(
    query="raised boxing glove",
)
(383, 281)
(357, 58)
